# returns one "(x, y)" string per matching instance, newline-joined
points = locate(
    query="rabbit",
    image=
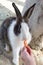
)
(14, 30)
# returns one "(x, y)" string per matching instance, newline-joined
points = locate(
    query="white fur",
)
(17, 41)
(25, 32)
(7, 48)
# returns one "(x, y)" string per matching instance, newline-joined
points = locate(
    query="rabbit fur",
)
(15, 30)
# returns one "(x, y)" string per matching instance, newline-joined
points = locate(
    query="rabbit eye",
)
(17, 29)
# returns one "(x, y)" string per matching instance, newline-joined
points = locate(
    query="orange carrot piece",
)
(25, 43)
(27, 47)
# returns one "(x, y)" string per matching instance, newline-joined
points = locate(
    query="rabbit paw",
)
(15, 62)
(6, 48)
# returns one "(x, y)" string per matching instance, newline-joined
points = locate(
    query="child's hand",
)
(28, 58)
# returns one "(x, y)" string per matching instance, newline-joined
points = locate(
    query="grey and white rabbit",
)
(14, 30)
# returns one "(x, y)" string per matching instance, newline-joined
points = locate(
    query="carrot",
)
(27, 47)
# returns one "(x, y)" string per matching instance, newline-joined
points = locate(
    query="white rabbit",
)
(14, 30)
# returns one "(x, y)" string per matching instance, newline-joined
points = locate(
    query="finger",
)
(25, 55)
(22, 50)
(29, 50)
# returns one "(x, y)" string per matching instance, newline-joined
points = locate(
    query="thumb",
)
(25, 55)
(29, 50)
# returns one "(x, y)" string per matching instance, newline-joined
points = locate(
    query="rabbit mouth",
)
(25, 39)
(28, 41)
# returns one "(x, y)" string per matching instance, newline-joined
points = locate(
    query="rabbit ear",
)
(19, 16)
(28, 13)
